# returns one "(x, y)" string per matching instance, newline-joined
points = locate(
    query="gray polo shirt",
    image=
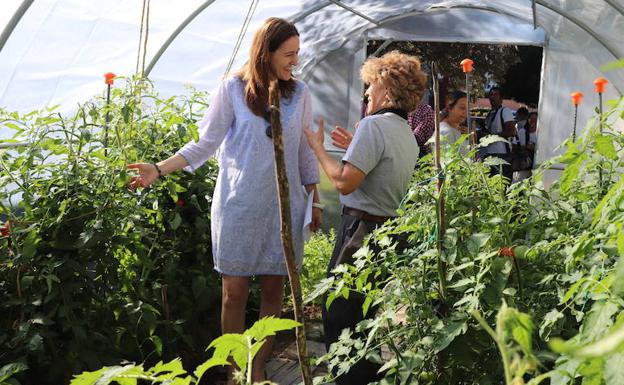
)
(385, 149)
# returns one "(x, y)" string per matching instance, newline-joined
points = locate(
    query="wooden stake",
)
(287, 241)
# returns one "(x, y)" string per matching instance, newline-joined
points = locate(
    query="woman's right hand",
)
(341, 137)
(147, 175)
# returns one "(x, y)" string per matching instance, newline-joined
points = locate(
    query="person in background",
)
(422, 122)
(372, 179)
(245, 228)
(526, 140)
(521, 117)
(451, 128)
(500, 122)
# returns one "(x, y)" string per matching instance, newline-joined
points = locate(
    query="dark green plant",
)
(548, 253)
(92, 273)
(241, 347)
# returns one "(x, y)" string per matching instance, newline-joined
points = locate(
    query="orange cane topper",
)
(600, 84)
(577, 98)
(467, 65)
(109, 77)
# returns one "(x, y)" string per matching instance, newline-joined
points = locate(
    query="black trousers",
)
(346, 313)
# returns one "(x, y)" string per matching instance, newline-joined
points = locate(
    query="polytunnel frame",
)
(23, 8)
(386, 20)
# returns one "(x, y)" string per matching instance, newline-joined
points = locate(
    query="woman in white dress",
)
(451, 129)
(245, 218)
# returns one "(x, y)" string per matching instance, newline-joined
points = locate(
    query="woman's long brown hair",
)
(257, 72)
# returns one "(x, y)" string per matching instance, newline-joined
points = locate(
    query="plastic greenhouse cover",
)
(60, 49)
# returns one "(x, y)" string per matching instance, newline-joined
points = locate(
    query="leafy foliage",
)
(242, 347)
(90, 272)
(563, 282)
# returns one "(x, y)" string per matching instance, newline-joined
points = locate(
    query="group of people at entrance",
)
(372, 176)
(517, 134)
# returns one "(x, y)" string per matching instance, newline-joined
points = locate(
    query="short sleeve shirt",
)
(493, 124)
(383, 148)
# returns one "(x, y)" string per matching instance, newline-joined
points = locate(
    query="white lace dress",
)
(245, 219)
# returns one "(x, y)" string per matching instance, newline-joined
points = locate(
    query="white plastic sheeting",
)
(60, 49)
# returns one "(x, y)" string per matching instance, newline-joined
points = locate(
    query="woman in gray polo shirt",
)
(372, 178)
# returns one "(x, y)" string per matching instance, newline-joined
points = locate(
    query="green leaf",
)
(613, 66)
(599, 319)
(604, 346)
(29, 247)
(192, 129)
(551, 318)
(9, 370)
(571, 172)
(268, 326)
(448, 334)
(591, 371)
(176, 221)
(231, 344)
(604, 146)
(169, 370)
(600, 213)
(477, 241)
(214, 361)
(618, 277)
(614, 369)
(35, 343)
(89, 378)
(572, 290)
(157, 344)
(522, 331)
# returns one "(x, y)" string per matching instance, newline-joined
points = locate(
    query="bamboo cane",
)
(577, 98)
(600, 88)
(286, 230)
(440, 184)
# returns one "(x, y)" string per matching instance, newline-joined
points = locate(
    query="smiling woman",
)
(245, 216)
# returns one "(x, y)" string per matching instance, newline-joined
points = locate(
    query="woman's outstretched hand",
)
(341, 137)
(316, 139)
(147, 175)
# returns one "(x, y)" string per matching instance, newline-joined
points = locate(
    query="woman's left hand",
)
(316, 139)
(317, 219)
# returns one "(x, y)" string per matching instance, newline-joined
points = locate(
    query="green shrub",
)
(92, 273)
(446, 292)
(316, 255)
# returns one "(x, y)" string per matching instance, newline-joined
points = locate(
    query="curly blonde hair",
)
(400, 74)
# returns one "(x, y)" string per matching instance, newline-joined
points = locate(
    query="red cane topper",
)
(109, 77)
(467, 65)
(506, 252)
(577, 98)
(600, 84)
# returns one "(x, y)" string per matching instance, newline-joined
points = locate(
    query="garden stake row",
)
(287, 241)
(440, 184)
